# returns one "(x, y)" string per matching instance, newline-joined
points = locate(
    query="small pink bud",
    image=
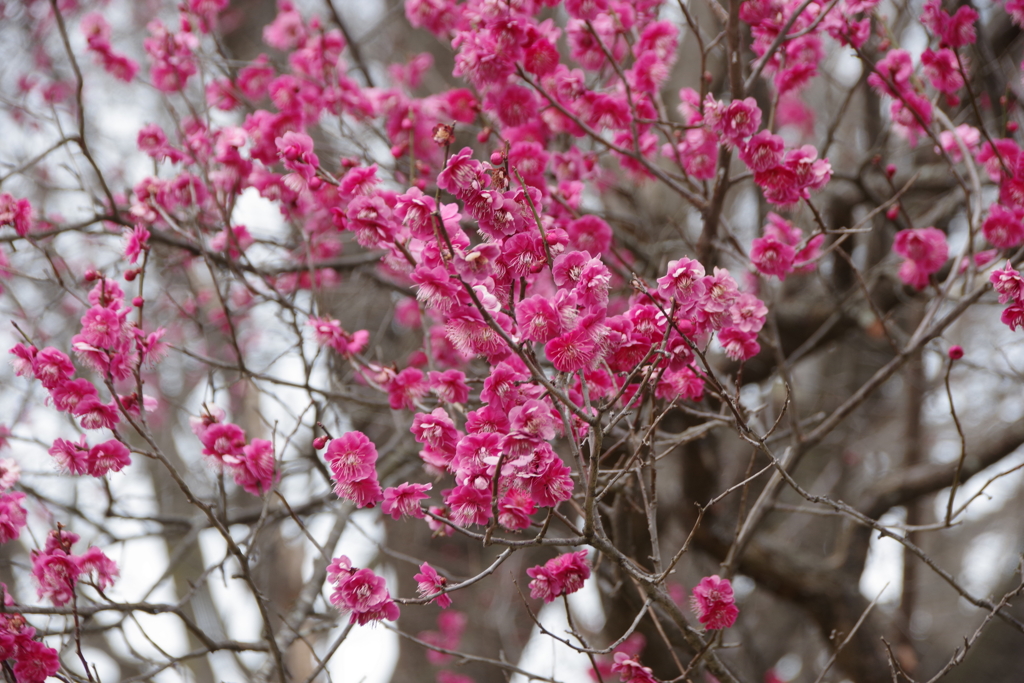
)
(892, 212)
(497, 158)
(956, 352)
(137, 302)
(319, 442)
(484, 135)
(131, 274)
(890, 171)
(1011, 126)
(91, 275)
(315, 183)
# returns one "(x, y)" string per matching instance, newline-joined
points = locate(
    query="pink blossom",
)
(954, 31)
(562, 575)
(1013, 315)
(763, 151)
(437, 16)
(550, 479)
(449, 386)
(469, 505)
(739, 345)
(109, 456)
(254, 470)
(221, 439)
(714, 603)
(403, 500)
(364, 594)
(1003, 227)
(69, 394)
(680, 384)
(430, 583)
(736, 121)
(12, 515)
(590, 234)
(1008, 284)
(630, 670)
(328, 332)
(16, 213)
(925, 251)
(772, 257)
(942, 70)
(56, 572)
(95, 562)
(408, 387)
(572, 351)
(35, 662)
(351, 456)
(515, 509)
(585, 9)
(96, 415)
(52, 367)
(10, 473)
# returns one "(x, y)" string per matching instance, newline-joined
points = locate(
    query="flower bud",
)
(319, 442)
(956, 352)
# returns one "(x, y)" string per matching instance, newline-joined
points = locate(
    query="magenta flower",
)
(360, 592)
(772, 257)
(351, 456)
(925, 251)
(254, 470)
(12, 516)
(1003, 227)
(1008, 284)
(109, 456)
(561, 575)
(429, 583)
(714, 603)
(469, 505)
(630, 670)
(57, 573)
(35, 662)
(403, 500)
(449, 386)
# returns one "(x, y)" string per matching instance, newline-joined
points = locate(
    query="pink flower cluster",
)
(360, 592)
(714, 603)
(172, 55)
(780, 251)
(705, 304)
(561, 575)
(97, 35)
(31, 660)
(58, 571)
(924, 251)
(252, 464)
(1010, 287)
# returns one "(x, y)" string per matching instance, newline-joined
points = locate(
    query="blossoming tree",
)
(681, 303)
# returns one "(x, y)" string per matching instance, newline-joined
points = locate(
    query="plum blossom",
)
(429, 583)
(714, 603)
(561, 575)
(360, 592)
